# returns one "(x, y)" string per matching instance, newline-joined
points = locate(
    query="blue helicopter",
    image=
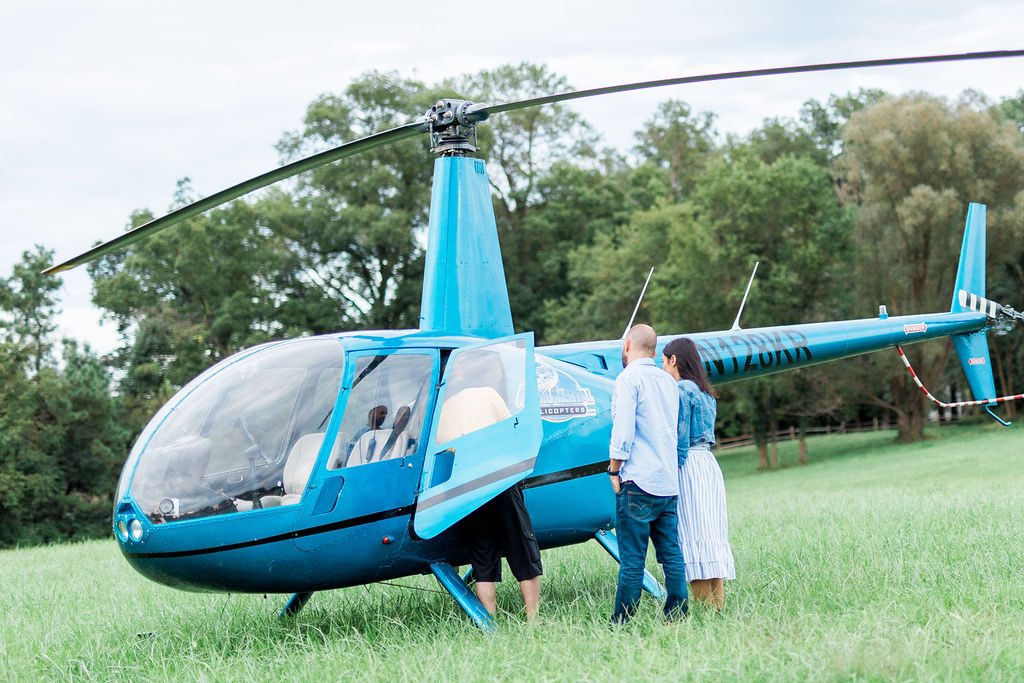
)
(317, 463)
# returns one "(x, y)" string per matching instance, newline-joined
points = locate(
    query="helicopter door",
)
(485, 434)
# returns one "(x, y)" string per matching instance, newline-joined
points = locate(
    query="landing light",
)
(135, 530)
(122, 530)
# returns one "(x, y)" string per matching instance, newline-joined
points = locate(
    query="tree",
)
(539, 159)
(678, 141)
(606, 275)
(786, 214)
(29, 299)
(914, 162)
(1012, 108)
(95, 439)
(61, 432)
(618, 217)
(575, 204)
(189, 296)
(523, 145)
(777, 138)
(353, 226)
(1005, 284)
(825, 122)
(29, 476)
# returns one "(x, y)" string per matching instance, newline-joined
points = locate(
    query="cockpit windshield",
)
(243, 435)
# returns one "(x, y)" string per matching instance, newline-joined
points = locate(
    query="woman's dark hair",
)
(688, 363)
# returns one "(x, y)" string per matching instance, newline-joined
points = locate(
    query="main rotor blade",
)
(234, 192)
(484, 110)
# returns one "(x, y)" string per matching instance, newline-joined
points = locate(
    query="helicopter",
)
(316, 463)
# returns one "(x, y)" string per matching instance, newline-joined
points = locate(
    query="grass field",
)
(874, 562)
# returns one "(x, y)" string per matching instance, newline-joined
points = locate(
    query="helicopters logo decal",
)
(562, 398)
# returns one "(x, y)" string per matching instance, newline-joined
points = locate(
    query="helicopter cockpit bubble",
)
(241, 432)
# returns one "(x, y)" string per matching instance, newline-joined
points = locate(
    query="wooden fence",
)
(792, 433)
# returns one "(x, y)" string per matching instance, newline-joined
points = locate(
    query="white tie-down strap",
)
(978, 303)
(957, 404)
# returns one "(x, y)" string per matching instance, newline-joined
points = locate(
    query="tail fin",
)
(969, 295)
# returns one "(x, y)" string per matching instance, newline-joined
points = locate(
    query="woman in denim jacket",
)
(703, 522)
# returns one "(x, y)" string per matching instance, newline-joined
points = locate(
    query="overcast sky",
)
(105, 105)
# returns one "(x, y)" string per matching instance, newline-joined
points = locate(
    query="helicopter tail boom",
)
(731, 355)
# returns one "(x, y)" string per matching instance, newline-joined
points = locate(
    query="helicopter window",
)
(229, 442)
(385, 411)
(483, 386)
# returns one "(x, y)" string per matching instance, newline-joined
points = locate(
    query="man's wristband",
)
(610, 473)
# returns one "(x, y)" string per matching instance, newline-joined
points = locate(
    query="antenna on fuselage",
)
(736, 323)
(637, 307)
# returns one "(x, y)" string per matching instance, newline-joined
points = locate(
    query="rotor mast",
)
(464, 287)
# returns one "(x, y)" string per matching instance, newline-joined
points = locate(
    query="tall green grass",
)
(874, 562)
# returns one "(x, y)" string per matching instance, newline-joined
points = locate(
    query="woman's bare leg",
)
(710, 592)
(718, 592)
(701, 589)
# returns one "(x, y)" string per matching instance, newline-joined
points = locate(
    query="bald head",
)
(643, 338)
(640, 342)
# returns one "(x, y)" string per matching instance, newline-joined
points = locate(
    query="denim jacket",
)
(697, 412)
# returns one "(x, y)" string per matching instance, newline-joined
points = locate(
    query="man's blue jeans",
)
(639, 516)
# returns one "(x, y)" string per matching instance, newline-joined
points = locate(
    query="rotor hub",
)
(452, 127)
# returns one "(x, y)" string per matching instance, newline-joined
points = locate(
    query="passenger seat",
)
(297, 469)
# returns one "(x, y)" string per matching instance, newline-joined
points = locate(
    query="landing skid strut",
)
(466, 598)
(294, 604)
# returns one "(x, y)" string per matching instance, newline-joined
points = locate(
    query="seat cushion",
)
(300, 462)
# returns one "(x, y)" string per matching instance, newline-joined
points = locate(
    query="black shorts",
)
(502, 528)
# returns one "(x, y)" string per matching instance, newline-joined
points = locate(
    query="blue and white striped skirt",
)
(703, 521)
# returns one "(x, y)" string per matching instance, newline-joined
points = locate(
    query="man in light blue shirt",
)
(644, 475)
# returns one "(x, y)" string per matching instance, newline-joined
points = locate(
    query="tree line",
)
(853, 202)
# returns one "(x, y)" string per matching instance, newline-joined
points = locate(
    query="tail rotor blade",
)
(234, 192)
